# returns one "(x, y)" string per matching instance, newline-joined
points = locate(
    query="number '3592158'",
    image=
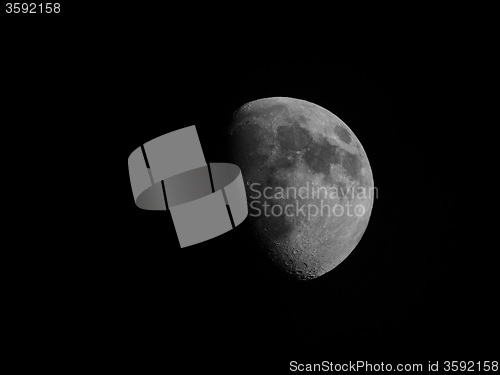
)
(33, 8)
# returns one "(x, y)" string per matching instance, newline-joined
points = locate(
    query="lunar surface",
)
(308, 182)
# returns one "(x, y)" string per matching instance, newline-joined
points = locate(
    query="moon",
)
(308, 182)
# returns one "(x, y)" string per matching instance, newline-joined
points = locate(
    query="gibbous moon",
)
(308, 181)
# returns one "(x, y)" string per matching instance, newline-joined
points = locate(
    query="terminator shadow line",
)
(170, 172)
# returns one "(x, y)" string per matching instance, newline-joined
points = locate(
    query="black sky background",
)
(113, 276)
